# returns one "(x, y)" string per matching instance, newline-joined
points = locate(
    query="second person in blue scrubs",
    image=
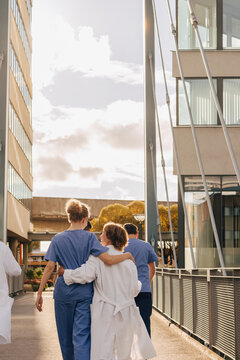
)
(71, 249)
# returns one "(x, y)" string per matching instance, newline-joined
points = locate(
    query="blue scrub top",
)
(71, 249)
(143, 254)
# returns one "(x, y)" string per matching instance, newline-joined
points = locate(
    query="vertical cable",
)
(157, 211)
(174, 140)
(163, 162)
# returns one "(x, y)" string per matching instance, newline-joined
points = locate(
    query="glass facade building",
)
(219, 28)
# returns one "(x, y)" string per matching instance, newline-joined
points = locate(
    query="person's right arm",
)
(82, 275)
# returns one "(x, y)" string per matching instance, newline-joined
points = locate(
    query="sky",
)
(88, 110)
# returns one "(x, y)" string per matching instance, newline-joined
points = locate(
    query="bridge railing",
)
(16, 283)
(204, 303)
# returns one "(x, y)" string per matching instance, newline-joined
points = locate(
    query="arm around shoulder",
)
(115, 259)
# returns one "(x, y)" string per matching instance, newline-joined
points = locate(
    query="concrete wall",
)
(224, 63)
(213, 148)
(18, 218)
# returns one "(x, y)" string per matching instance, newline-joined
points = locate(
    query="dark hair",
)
(131, 229)
(117, 234)
(88, 227)
(76, 210)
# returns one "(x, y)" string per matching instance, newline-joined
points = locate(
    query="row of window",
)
(18, 188)
(215, 33)
(202, 103)
(29, 7)
(21, 28)
(18, 131)
(20, 79)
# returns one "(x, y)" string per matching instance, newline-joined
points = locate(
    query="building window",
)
(206, 14)
(14, 65)
(19, 133)
(224, 192)
(18, 188)
(231, 24)
(231, 101)
(224, 35)
(21, 28)
(202, 105)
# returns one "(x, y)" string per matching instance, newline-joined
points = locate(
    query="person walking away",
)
(117, 329)
(71, 249)
(145, 258)
(8, 266)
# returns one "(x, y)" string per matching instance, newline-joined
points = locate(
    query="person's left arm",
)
(152, 258)
(100, 251)
(152, 270)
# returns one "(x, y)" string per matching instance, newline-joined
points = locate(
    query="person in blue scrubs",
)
(71, 249)
(145, 258)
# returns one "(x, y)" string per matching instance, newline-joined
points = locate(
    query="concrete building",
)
(16, 135)
(219, 27)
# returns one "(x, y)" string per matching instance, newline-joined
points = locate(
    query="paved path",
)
(34, 335)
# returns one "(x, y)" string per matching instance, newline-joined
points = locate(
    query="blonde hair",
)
(76, 210)
(117, 234)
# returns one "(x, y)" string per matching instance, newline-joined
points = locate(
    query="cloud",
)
(90, 172)
(54, 168)
(73, 89)
(123, 137)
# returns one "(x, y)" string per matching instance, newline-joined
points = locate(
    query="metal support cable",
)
(214, 93)
(1, 60)
(156, 202)
(174, 139)
(220, 255)
(163, 161)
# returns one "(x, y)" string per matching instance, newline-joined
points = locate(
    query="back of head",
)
(116, 234)
(76, 210)
(131, 229)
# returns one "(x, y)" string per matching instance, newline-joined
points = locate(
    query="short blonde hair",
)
(116, 234)
(76, 210)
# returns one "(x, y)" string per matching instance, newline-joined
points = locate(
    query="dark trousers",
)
(144, 302)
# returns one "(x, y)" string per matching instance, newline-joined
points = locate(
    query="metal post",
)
(150, 128)
(4, 98)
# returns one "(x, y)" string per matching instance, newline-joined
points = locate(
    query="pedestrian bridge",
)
(34, 335)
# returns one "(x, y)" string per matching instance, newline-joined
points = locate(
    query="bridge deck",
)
(34, 335)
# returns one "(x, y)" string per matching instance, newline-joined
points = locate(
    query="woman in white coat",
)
(8, 265)
(117, 329)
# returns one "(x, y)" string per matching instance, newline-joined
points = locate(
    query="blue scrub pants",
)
(73, 321)
(144, 303)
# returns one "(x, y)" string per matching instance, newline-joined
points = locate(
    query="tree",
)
(121, 214)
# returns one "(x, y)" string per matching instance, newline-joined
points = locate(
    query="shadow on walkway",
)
(34, 335)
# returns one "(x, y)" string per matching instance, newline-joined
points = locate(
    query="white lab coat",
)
(8, 265)
(117, 329)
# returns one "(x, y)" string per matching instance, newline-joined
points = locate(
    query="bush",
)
(29, 274)
(38, 273)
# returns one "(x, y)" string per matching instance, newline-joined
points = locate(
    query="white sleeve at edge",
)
(11, 266)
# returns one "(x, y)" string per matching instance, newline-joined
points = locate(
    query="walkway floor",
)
(34, 335)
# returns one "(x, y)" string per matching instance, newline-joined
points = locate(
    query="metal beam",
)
(150, 129)
(4, 98)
